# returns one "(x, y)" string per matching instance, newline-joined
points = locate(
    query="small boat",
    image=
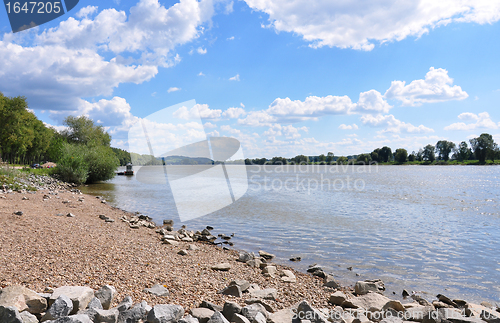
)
(128, 171)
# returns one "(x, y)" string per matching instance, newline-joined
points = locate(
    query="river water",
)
(434, 229)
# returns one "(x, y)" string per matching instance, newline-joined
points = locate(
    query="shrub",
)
(72, 166)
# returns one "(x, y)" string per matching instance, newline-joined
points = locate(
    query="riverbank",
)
(42, 250)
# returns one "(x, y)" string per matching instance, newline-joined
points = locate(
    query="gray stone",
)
(95, 304)
(125, 304)
(281, 316)
(171, 242)
(307, 312)
(23, 299)
(165, 313)
(268, 293)
(222, 267)
(106, 294)
(266, 255)
(368, 301)
(245, 257)
(418, 313)
(61, 307)
(70, 215)
(27, 317)
(193, 247)
(9, 314)
(211, 306)
(238, 318)
(270, 270)
(250, 311)
(188, 319)
(254, 263)
(243, 284)
(232, 290)
(218, 318)
(395, 305)
(362, 288)
(231, 308)
(158, 290)
(288, 276)
(183, 252)
(202, 314)
(268, 307)
(259, 318)
(79, 318)
(106, 316)
(329, 281)
(446, 300)
(338, 298)
(79, 295)
(136, 314)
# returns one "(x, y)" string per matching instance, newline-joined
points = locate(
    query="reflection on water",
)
(434, 228)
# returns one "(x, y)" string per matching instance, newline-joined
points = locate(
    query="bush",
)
(102, 163)
(72, 166)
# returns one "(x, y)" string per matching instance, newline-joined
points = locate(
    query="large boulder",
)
(9, 314)
(238, 318)
(281, 316)
(135, 314)
(165, 313)
(157, 290)
(251, 311)
(231, 308)
(106, 295)
(23, 299)
(106, 316)
(27, 317)
(268, 293)
(188, 319)
(79, 295)
(79, 318)
(370, 301)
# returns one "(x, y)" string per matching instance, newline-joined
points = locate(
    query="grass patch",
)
(14, 179)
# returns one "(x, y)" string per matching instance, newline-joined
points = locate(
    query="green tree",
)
(400, 155)
(483, 146)
(375, 155)
(322, 158)
(279, 161)
(364, 159)
(329, 157)
(462, 152)
(412, 157)
(385, 154)
(444, 148)
(342, 160)
(428, 153)
(82, 130)
(300, 160)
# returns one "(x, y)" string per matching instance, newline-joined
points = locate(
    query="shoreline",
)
(44, 248)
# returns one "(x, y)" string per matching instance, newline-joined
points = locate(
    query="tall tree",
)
(385, 154)
(462, 152)
(428, 153)
(82, 130)
(444, 148)
(329, 157)
(483, 146)
(400, 155)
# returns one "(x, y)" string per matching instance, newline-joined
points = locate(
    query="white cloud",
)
(214, 133)
(229, 8)
(371, 102)
(86, 11)
(311, 107)
(230, 38)
(482, 120)
(201, 110)
(257, 118)
(233, 113)
(362, 24)
(435, 88)
(289, 131)
(201, 74)
(208, 125)
(235, 78)
(391, 124)
(348, 127)
(230, 130)
(173, 89)
(72, 61)
(201, 51)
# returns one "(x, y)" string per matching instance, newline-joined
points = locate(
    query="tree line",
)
(82, 151)
(481, 149)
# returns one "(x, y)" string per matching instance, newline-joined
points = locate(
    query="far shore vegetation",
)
(83, 152)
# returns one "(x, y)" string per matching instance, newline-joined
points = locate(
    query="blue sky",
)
(283, 77)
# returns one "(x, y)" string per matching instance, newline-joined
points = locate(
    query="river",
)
(434, 229)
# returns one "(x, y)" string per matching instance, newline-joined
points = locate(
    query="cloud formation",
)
(478, 121)
(362, 24)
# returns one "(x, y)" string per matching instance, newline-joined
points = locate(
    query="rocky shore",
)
(70, 257)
